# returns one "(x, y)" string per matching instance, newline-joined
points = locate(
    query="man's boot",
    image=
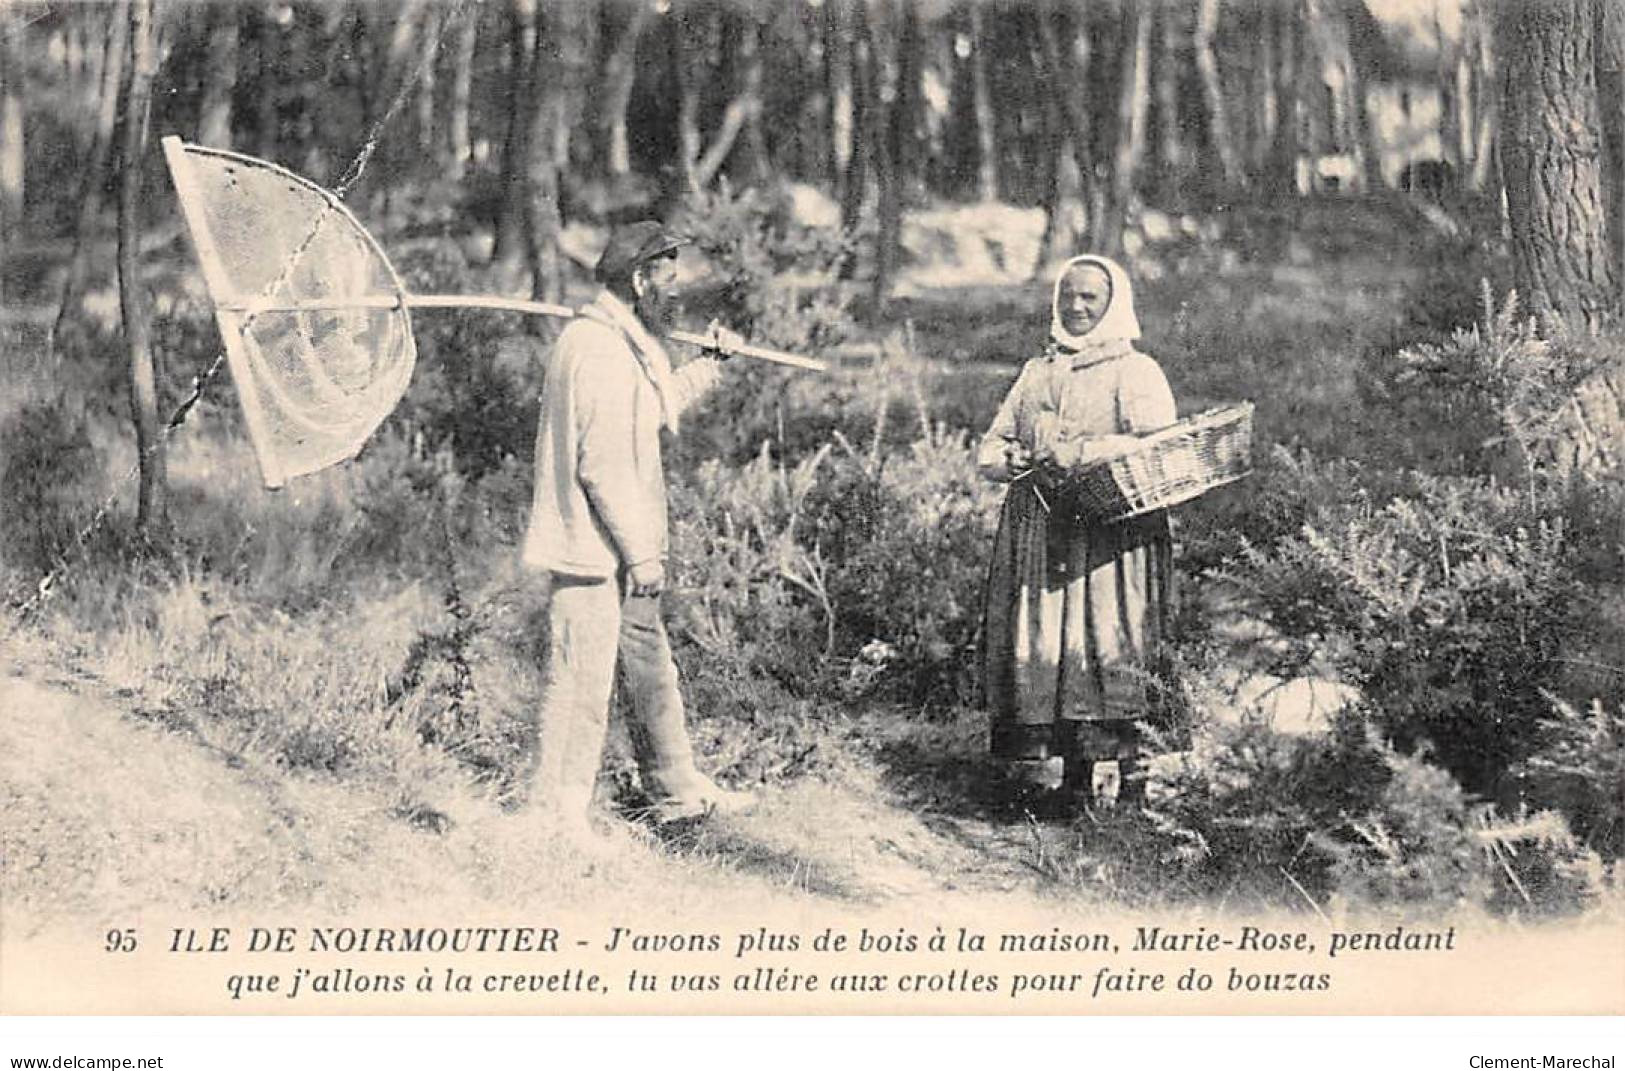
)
(675, 786)
(572, 748)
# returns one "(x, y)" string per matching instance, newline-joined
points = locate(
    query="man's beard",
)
(657, 309)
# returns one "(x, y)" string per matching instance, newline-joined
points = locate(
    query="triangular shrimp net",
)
(314, 383)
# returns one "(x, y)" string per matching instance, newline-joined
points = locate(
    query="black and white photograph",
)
(813, 508)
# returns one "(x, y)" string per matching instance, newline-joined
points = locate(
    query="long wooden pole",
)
(504, 304)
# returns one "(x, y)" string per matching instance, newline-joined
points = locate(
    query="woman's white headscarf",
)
(1118, 324)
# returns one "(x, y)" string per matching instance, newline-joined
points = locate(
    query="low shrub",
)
(1346, 818)
(1578, 767)
(878, 558)
(46, 459)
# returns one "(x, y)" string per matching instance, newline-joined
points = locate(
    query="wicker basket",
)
(1168, 467)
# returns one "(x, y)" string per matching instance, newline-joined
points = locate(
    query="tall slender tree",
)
(93, 180)
(1133, 101)
(838, 47)
(1486, 98)
(1067, 55)
(539, 189)
(894, 55)
(1221, 147)
(459, 148)
(1167, 61)
(424, 68)
(1447, 78)
(13, 147)
(1281, 166)
(1364, 36)
(619, 74)
(987, 142)
(854, 185)
(219, 78)
(152, 508)
(508, 246)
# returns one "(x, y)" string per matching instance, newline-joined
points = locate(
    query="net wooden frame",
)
(235, 310)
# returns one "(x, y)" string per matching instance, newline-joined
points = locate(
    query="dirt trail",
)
(109, 812)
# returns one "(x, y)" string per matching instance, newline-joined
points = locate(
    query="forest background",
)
(1399, 673)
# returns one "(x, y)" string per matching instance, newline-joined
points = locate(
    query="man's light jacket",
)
(600, 497)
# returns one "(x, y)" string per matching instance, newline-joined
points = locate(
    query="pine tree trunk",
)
(1281, 167)
(1067, 68)
(686, 60)
(1486, 112)
(838, 78)
(459, 96)
(96, 27)
(1223, 148)
(854, 185)
(1265, 77)
(544, 92)
(1170, 155)
(151, 511)
(428, 41)
(13, 153)
(73, 62)
(1133, 99)
(745, 76)
(620, 73)
(987, 144)
(909, 117)
(1610, 58)
(508, 247)
(1056, 130)
(887, 69)
(1366, 146)
(269, 78)
(1449, 102)
(1551, 160)
(94, 180)
(573, 30)
(219, 79)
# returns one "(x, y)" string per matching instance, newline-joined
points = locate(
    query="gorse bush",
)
(1483, 400)
(1346, 818)
(478, 374)
(843, 574)
(1578, 767)
(46, 457)
(769, 277)
(773, 280)
(1244, 804)
(1453, 600)
(1448, 609)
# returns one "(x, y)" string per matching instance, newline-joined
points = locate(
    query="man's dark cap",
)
(632, 245)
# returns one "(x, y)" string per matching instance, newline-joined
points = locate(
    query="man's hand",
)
(646, 578)
(721, 342)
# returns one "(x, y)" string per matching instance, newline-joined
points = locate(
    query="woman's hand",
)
(1017, 458)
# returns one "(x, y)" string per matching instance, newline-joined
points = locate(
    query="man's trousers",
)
(592, 627)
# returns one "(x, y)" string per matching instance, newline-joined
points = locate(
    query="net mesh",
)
(315, 382)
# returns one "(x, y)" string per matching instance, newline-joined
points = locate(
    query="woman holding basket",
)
(1075, 607)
